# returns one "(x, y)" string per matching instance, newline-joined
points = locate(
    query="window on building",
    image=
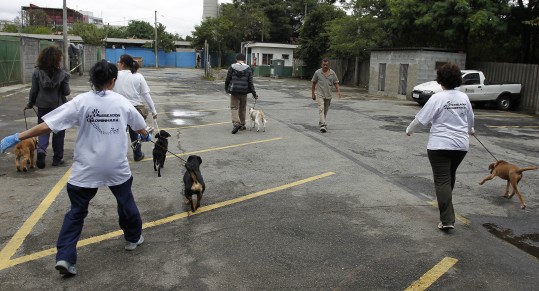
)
(286, 56)
(266, 59)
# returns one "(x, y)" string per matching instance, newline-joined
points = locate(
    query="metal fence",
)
(525, 74)
(10, 60)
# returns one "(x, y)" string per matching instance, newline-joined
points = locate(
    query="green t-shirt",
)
(324, 83)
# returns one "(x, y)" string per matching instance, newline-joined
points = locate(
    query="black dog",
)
(160, 151)
(193, 181)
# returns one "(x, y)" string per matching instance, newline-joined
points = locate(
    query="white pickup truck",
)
(479, 91)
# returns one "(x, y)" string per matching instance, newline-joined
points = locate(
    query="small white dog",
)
(257, 117)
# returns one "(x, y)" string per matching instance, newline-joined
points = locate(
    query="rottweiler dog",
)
(193, 181)
(160, 151)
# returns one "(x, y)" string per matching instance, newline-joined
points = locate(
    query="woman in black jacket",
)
(50, 86)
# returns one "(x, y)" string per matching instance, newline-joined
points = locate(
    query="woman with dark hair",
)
(451, 118)
(50, 86)
(133, 86)
(100, 159)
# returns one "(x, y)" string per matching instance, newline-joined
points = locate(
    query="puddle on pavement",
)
(186, 117)
(528, 242)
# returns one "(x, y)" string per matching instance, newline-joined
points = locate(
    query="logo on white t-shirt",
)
(96, 119)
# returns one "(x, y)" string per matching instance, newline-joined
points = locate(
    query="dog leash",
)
(156, 126)
(26, 124)
(485, 147)
(255, 103)
(169, 151)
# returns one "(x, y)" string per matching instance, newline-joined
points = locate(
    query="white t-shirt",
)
(134, 88)
(100, 154)
(452, 119)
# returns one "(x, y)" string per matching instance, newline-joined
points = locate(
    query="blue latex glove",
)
(145, 137)
(9, 141)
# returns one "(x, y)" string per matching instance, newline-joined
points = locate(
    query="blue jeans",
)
(57, 138)
(129, 218)
(133, 135)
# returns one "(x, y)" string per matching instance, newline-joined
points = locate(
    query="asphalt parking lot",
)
(286, 209)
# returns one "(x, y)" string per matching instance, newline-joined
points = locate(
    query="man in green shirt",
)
(323, 81)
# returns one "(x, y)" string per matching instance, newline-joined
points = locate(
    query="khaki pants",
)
(323, 107)
(238, 107)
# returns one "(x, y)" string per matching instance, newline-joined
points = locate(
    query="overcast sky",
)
(179, 16)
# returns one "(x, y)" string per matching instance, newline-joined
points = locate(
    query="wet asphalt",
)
(286, 209)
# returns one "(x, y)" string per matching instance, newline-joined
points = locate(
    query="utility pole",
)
(156, 59)
(66, 45)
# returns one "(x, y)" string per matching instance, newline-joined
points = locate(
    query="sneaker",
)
(56, 163)
(445, 227)
(243, 127)
(66, 268)
(323, 129)
(130, 246)
(139, 158)
(236, 128)
(40, 163)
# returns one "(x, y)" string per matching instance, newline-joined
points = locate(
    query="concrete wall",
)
(31, 47)
(421, 68)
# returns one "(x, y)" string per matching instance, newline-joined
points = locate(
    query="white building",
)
(210, 9)
(259, 55)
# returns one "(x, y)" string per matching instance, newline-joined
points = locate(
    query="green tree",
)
(37, 30)
(140, 30)
(10, 28)
(314, 39)
(116, 32)
(165, 40)
(89, 33)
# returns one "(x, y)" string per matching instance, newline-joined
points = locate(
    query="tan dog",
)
(257, 117)
(512, 174)
(24, 154)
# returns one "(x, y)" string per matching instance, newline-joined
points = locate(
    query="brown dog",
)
(24, 154)
(512, 174)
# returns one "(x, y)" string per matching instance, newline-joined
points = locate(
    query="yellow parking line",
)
(199, 125)
(199, 110)
(193, 101)
(460, 218)
(18, 238)
(513, 126)
(433, 274)
(96, 239)
(220, 148)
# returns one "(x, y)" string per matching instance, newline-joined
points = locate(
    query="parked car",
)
(505, 96)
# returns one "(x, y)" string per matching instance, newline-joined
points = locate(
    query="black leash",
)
(26, 124)
(168, 151)
(485, 147)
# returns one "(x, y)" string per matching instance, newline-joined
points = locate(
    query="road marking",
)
(6, 262)
(460, 218)
(512, 126)
(193, 101)
(18, 238)
(201, 110)
(194, 126)
(433, 274)
(219, 148)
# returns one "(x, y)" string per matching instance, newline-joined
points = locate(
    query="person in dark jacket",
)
(50, 86)
(239, 83)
